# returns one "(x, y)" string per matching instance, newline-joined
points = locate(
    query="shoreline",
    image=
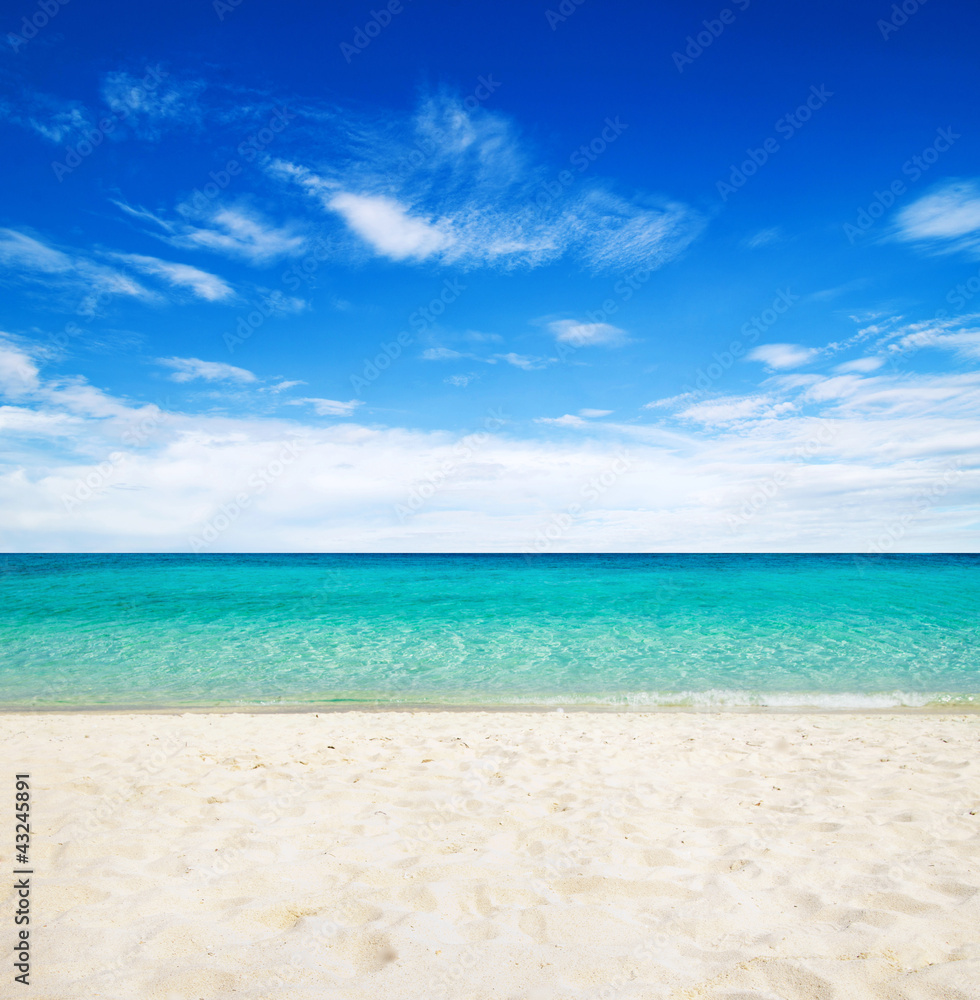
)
(369, 708)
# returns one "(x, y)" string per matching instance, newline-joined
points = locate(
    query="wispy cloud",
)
(732, 410)
(329, 407)
(782, 355)
(570, 331)
(236, 232)
(946, 220)
(153, 102)
(189, 369)
(239, 233)
(671, 402)
(29, 259)
(571, 420)
(51, 118)
(23, 252)
(868, 364)
(445, 354)
(18, 372)
(204, 285)
(763, 238)
(283, 386)
(70, 272)
(828, 294)
(523, 361)
(878, 384)
(568, 420)
(148, 104)
(963, 343)
(459, 186)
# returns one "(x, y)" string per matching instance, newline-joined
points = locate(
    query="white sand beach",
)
(472, 855)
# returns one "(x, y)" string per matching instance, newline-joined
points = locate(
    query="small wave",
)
(713, 700)
(738, 699)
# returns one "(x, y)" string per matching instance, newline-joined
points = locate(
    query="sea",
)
(698, 632)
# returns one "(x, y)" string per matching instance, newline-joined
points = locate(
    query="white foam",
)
(718, 698)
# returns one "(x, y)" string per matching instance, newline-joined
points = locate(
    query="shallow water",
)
(646, 630)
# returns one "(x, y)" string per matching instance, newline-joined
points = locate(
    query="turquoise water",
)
(647, 630)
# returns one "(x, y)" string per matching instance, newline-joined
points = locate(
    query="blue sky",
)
(436, 276)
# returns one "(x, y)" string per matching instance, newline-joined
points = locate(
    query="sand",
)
(507, 855)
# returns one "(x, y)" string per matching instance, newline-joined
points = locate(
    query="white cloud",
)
(148, 105)
(882, 452)
(569, 331)
(782, 355)
(329, 407)
(36, 262)
(568, 420)
(671, 402)
(894, 344)
(964, 343)
(283, 386)
(735, 409)
(154, 102)
(868, 364)
(523, 361)
(947, 219)
(828, 294)
(20, 251)
(763, 238)
(611, 233)
(236, 232)
(387, 226)
(283, 305)
(460, 381)
(18, 372)
(204, 285)
(188, 369)
(143, 214)
(475, 198)
(37, 423)
(441, 354)
(594, 414)
(449, 354)
(53, 119)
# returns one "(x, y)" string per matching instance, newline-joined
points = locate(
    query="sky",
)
(437, 276)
